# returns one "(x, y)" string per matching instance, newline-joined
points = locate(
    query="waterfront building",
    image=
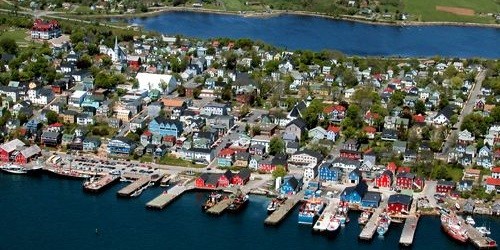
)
(329, 173)
(291, 185)
(384, 179)
(445, 187)
(28, 154)
(399, 203)
(121, 146)
(7, 149)
(354, 194)
(371, 199)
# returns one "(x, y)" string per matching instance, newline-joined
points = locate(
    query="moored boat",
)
(452, 226)
(333, 226)
(238, 203)
(483, 230)
(275, 204)
(384, 221)
(310, 210)
(14, 169)
(470, 221)
(364, 217)
(212, 199)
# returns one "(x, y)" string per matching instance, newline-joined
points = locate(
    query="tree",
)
(181, 90)
(276, 145)
(255, 130)
(52, 117)
(22, 117)
(8, 45)
(280, 171)
(420, 107)
(310, 115)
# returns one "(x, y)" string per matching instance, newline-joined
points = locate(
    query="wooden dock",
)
(100, 184)
(162, 200)
(132, 187)
(277, 216)
(371, 226)
(479, 241)
(409, 229)
(220, 207)
(325, 217)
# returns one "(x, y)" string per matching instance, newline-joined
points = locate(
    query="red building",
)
(444, 186)
(399, 203)
(207, 180)
(405, 180)
(242, 177)
(28, 154)
(384, 179)
(391, 166)
(45, 30)
(7, 149)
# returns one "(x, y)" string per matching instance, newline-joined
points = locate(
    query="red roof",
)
(226, 152)
(493, 182)
(57, 124)
(392, 166)
(419, 118)
(370, 115)
(388, 90)
(41, 25)
(495, 170)
(330, 109)
(147, 133)
(333, 128)
(403, 170)
(370, 130)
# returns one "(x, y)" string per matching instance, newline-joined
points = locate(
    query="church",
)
(117, 54)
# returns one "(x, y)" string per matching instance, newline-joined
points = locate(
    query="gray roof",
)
(31, 151)
(11, 145)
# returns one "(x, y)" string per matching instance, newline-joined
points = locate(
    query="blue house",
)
(329, 173)
(371, 199)
(311, 190)
(164, 127)
(121, 146)
(354, 194)
(33, 125)
(291, 185)
(355, 176)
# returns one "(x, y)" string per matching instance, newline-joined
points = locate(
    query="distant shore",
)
(274, 13)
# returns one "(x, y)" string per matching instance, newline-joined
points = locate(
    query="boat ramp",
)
(371, 226)
(134, 186)
(277, 216)
(167, 197)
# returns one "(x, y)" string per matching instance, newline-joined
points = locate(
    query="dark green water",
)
(47, 213)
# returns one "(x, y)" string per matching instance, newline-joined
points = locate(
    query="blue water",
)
(48, 213)
(315, 33)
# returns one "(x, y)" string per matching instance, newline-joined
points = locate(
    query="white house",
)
(77, 98)
(310, 172)
(161, 82)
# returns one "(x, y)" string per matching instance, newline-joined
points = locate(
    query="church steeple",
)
(117, 50)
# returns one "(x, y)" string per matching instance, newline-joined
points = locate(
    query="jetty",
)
(220, 207)
(409, 229)
(277, 216)
(134, 186)
(480, 241)
(100, 184)
(167, 197)
(325, 217)
(371, 226)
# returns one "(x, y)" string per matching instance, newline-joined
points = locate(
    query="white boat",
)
(137, 192)
(470, 221)
(14, 169)
(483, 230)
(333, 226)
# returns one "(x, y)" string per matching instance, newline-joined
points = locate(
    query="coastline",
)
(275, 13)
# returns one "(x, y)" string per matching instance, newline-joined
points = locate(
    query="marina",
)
(277, 216)
(371, 226)
(477, 238)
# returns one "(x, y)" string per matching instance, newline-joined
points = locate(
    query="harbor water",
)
(317, 33)
(43, 212)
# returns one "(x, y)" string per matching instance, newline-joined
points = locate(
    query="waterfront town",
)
(396, 138)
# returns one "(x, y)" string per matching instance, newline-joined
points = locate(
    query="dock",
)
(134, 186)
(371, 226)
(325, 217)
(477, 239)
(220, 207)
(100, 184)
(285, 208)
(167, 197)
(409, 229)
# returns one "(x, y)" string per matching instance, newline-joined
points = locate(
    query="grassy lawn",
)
(455, 173)
(18, 35)
(171, 160)
(425, 10)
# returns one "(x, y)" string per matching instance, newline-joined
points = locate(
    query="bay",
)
(317, 33)
(44, 212)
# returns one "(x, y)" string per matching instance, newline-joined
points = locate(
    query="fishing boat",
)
(452, 226)
(333, 226)
(323, 222)
(275, 204)
(238, 203)
(470, 221)
(342, 217)
(310, 210)
(14, 169)
(137, 192)
(483, 230)
(165, 181)
(212, 199)
(364, 217)
(384, 221)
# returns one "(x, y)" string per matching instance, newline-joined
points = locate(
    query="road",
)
(467, 109)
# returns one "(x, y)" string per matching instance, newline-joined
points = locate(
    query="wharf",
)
(479, 241)
(409, 230)
(162, 200)
(371, 225)
(131, 188)
(277, 216)
(325, 217)
(100, 183)
(220, 207)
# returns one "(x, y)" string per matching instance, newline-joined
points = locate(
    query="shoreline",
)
(276, 13)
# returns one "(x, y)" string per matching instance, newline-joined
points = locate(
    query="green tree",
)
(8, 45)
(420, 107)
(181, 90)
(280, 171)
(52, 117)
(276, 145)
(310, 115)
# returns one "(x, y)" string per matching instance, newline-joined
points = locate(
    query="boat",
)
(483, 230)
(453, 227)
(14, 169)
(364, 217)
(310, 210)
(97, 184)
(137, 192)
(384, 221)
(212, 199)
(68, 173)
(470, 221)
(238, 203)
(333, 226)
(323, 222)
(275, 204)
(165, 181)
(457, 206)
(342, 217)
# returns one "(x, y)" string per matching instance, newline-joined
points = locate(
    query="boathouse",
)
(384, 179)
(371, 199)
(242, 177)
(354, 194)
(399, 203)
(207, 180)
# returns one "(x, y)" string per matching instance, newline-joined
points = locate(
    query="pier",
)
(409, 230)
(162, 200)
(479, 241)
(220, 207)
(371, 226)
(325, 217)
(285, 208)
(100, 183)
(134, 186)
